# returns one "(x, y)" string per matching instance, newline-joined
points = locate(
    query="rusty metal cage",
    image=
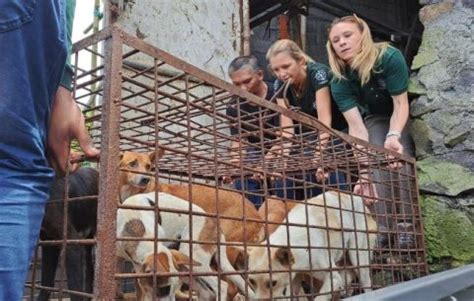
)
(167, 137)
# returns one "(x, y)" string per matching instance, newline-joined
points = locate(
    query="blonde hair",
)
(364, 61)
(291, 48)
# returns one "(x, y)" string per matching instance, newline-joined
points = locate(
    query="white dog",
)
(176, 226)
(132, 224)
(347, 233)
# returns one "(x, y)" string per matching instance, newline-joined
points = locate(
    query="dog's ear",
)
(162, 264)
(182, 261)
(121, 156)
(156, 155)
(284, 256)
(237, 257)
(134, 228)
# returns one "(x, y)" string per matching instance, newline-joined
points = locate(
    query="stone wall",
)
(204, 33)
(442, 123)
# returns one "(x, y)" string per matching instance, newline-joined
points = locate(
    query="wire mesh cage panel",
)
(208, 195)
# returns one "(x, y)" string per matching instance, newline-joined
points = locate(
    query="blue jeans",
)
(32, 58)
(252, 186)
(294, 190)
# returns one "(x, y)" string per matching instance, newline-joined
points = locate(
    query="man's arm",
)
(67, 123)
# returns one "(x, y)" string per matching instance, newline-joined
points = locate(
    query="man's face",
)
(247, 79)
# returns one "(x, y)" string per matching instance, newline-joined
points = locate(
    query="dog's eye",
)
(148, 167)
(253, 283)
(273, 284)
(133, 163)
(146, 268)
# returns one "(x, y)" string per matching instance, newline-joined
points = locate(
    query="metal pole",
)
(104, 281)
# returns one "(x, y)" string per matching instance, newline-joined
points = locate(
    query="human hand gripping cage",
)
(165, 227)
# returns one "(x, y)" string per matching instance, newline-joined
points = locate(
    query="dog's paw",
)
(194, 296)
(239, 297)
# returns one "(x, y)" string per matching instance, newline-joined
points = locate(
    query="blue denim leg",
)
(33, 54)
(336, 180)
(294, 190)
(250, 185)
(314, 190)
(285, 189)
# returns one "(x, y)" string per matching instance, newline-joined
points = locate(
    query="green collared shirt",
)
(389, 78)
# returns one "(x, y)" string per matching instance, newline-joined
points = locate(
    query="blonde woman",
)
(370, 88)
(308, 91)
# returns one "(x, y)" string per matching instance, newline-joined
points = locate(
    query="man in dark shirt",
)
(245, 73)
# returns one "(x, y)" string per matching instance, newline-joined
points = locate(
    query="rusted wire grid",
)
(167, 160)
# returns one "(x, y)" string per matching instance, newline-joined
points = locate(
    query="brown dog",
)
(135, 178)
(274, 211)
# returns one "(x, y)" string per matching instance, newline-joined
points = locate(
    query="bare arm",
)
(397, 122)
(364, 185)
(356, 124)
(67, 123)
(234, 151)
(285, 122)
(286, 125)
(234, 154)
(323, 106)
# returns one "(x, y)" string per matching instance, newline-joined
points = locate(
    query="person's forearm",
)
(400, 113)
(287, 126)
(235, 151)
(326, 120)
(323, 109)
(286, 123)
(359, 131)
(324, 136)
(356, 124)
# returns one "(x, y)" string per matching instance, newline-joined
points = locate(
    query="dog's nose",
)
(163, 291)
(144, 180)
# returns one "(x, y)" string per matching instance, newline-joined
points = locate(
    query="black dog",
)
(82, 224)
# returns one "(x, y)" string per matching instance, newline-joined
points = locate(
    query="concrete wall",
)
(206, 34)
